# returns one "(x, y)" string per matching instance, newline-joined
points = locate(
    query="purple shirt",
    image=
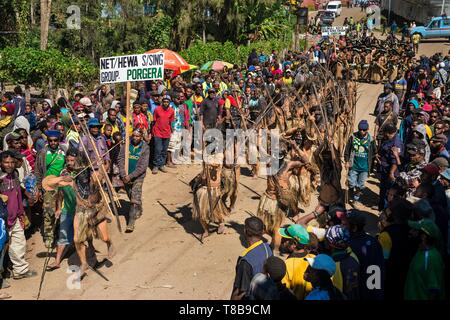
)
(102, 148)
(10, 187)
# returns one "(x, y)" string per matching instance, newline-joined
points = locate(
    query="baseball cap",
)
(212, 90)
(254, 225)
(427, 226)
(441, 162)
(322, 262)
(86, 101)
(166, 97)
(276, 268)
(431, 169)
(416, 146)
(338, 236)
(388, 86)
(93, 122)
(363, 125)
(441, 138)
(12, 136)
(446, 174)
(295, 231)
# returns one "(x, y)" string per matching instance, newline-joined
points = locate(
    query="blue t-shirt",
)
(318, 294)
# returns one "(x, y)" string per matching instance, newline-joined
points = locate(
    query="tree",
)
(46, 7)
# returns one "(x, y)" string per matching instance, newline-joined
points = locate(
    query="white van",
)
(335, 6)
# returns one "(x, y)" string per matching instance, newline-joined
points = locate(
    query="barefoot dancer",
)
(208, 205)
(90, 217)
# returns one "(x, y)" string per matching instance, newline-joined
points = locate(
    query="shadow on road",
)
(124, 209)
(239, 228)
(185, 220)
(246, 172)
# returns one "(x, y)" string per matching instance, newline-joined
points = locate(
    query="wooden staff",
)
(97, 180)
(127, 129)
(110, 188)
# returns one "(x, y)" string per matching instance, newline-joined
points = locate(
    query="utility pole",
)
(443, 7)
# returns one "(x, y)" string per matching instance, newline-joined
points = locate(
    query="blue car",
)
(437, 28)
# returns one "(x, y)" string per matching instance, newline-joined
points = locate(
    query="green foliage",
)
(199, 53)
(36, 67)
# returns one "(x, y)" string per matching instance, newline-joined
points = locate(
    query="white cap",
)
(86, 101)
(442, 65)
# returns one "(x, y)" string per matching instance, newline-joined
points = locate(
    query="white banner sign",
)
(334, 31)
(137, 67)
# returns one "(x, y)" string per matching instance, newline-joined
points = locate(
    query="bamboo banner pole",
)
(127, 129)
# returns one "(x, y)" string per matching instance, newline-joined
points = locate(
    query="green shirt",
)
(361, 154)
(135, 153)
(70, 198)
(425, 275)
(190, 105)
(54, 162)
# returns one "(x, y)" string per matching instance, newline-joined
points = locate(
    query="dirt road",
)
(161, 259)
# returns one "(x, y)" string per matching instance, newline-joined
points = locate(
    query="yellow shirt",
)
(287, 81)
(295, 270)
(115, 128)
(386, 243)
(429, 132)
(416, 38)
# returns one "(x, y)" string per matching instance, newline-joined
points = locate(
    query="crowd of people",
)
(63, 161)
(330, 256)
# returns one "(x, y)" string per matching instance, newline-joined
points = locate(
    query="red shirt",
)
(163, 122)
(140, 121)
(30, 156)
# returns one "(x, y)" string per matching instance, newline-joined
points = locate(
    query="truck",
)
(335, 6)
(438, 27)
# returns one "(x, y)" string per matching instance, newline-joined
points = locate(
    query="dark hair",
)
(5, 155)
(400, 192)
(62, 103)
(8, 95)
(18, 90)
(72, 152)
(390, 128)
(107, 125)
(428, 188)
(79, 95)
(115, 134)
(55, 110)
(254, 227)
(42, 125)
(400, 210)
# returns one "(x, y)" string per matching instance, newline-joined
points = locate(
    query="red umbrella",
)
(172, 61)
